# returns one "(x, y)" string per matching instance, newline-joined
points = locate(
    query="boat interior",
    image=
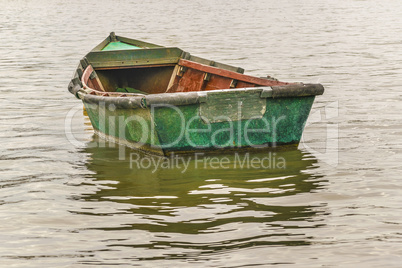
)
(184, 76)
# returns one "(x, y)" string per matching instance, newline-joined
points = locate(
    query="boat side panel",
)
(133, 127)
(180, 128)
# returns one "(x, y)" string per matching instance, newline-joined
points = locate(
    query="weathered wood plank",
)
(91, 80)
(217, 82)
(192, 80)
(128, 58)
(230, 74)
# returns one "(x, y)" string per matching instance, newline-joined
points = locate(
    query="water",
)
(67, 203)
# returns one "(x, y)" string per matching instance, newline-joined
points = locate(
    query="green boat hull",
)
(164, 129)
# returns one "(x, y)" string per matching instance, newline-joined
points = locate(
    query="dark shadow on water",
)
(225, 207)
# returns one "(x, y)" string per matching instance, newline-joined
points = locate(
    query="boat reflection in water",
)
(201, 209)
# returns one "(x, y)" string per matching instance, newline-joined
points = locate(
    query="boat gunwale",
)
(230, 74)
(135, 100)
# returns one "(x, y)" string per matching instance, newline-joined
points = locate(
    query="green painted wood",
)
(131, 127)
(113, 38)
(181, 129)
(282, 123)
(119, 46)
(232, 105)
(124, 58)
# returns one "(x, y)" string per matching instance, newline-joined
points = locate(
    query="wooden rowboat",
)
(164, 100)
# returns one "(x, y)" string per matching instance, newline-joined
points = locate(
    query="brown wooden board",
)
(230, 74)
